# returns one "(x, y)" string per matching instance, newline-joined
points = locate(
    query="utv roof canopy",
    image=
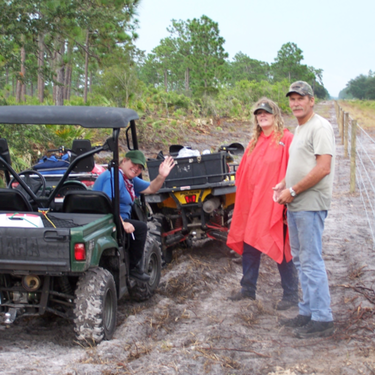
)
(87, 117)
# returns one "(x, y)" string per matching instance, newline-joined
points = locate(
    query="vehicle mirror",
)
(236, 149)
(233, 148)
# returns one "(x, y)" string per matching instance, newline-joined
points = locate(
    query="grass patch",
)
(361, 110)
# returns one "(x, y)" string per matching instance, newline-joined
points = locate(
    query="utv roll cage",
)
(87, 117)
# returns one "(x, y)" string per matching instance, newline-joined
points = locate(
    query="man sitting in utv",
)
(131, 186)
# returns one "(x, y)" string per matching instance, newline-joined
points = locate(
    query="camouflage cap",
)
(301, 88)
(264, 106)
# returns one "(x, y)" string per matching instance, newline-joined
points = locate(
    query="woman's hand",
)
(277, 190)
(164, 170)
(166, 166)
(128, 227)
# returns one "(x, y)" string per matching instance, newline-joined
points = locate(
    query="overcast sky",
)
(335, 35)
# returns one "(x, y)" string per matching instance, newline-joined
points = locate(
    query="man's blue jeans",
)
(250, 264)
(305, 234)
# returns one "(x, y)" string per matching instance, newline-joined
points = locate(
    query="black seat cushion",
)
(13, 200)
(87, 202)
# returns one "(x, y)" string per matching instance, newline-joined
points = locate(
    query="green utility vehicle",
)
(65, 252)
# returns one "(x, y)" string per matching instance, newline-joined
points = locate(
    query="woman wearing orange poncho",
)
(258, 224)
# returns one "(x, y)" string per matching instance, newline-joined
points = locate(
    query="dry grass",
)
(355, 271)
(249, 315)
(165, 319)
(92, 357)
(364, 115)
(200, 275)
(136, 350)
(160, 132)
(247, 318)
(212, 358)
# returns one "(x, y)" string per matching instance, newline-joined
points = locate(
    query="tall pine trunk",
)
(20, 88)
(86, 66)
(187, 79)
(60, 74)
(90, 87)
(40, 67)
(68, 72)
(23, 74)
(166, 79)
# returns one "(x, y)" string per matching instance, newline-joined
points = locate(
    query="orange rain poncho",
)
(257, 219)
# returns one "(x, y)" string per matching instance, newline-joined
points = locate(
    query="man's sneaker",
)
(285, 304)
(239, 295)
(314, 329)
(298, 321)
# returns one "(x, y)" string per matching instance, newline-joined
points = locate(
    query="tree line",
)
(362, 87)
(53, 48)
(83, 51)
(193, 60)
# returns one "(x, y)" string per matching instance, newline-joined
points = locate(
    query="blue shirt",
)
(105, 183)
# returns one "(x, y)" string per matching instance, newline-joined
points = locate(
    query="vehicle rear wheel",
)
(95, 310)
(142, 291)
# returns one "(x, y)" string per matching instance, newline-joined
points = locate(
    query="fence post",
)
(336, 109)
(353, 155)
(346, 134)
(342, 126)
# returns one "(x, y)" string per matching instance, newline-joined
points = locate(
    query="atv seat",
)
(87, 202)
(13, 200)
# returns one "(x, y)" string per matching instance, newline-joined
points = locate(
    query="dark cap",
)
(264, 106)
(136, 157)
(301, 88)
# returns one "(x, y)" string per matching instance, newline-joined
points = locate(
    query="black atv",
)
(197, 198)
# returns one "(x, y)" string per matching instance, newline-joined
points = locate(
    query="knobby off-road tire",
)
(142, 291)
(95, 310)
(165, 226)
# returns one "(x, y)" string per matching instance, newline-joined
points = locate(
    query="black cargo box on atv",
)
(192, 170)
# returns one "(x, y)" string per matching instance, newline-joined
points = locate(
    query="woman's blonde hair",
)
(278, 122)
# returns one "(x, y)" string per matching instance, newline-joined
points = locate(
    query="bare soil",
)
(189, 326)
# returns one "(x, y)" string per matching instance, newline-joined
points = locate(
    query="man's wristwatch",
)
(292, 192)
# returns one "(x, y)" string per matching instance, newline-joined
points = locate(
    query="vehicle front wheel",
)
(95, 310)
(142, 291)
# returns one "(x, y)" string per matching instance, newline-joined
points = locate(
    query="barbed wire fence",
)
(359, 146)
